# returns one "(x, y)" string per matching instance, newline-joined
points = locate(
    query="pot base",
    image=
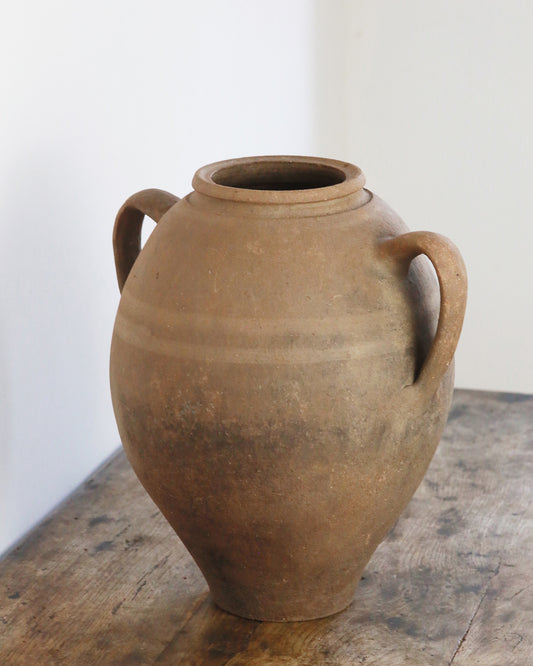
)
(286, 610)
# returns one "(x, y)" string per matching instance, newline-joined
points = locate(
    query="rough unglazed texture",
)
(278, 377)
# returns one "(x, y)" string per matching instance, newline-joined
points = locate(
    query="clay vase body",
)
(281, 373)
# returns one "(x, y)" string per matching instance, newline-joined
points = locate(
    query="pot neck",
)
(285, 183)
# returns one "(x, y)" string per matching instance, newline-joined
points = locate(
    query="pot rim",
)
(247, 179)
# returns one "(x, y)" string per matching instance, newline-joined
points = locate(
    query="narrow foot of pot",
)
(286, 610)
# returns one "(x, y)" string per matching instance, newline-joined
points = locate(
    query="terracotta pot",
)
(278, 376)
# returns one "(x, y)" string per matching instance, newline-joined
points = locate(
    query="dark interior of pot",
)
(278, 176)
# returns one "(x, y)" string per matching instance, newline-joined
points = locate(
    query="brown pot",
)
(278, 376)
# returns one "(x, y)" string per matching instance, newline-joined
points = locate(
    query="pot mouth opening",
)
(278, 176)
(279, 179)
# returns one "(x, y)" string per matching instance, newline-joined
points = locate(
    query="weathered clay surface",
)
(278, 377)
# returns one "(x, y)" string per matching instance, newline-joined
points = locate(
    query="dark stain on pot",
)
(183, 440)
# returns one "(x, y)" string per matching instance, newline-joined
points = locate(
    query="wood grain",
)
(104, 580)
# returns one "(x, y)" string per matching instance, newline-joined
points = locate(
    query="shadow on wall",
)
(53, 362)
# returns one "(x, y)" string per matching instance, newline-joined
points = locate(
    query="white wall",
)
(434, 101)
(100, 100)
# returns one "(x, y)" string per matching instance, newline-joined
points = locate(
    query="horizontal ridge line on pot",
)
(140, 336)
(324, 211)
(137, 311)
(274, 179)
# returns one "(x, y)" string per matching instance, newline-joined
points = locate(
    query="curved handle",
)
(451, 272)
(128, 225)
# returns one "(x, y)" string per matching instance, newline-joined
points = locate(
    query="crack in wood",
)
(138, 589)
(151, 571)
(116, 607)
(473, 617)
(520, 591)
(520, 639)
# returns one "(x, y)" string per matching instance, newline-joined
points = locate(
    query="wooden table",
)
(104, 580)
